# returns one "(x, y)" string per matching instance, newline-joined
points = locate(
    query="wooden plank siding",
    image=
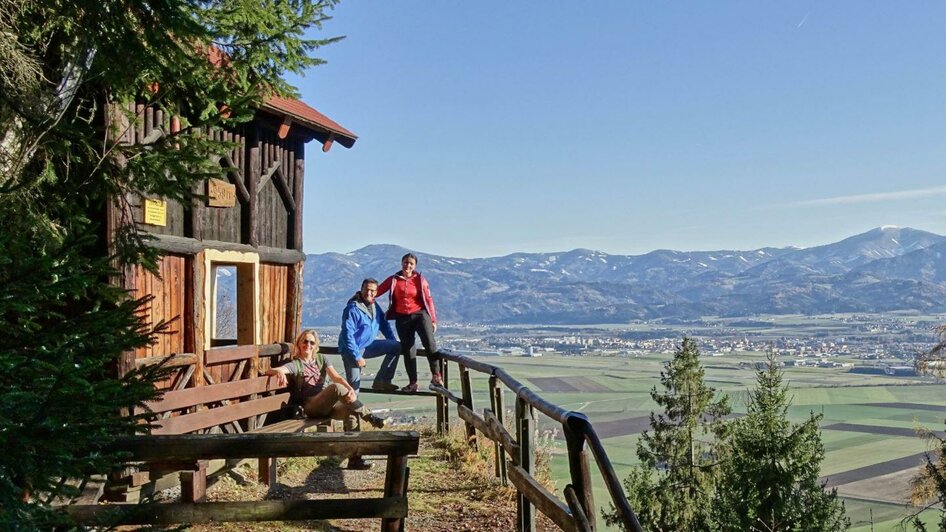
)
(274, 281)
(274, 194)
(168, 291)
(168, 303)
(267, 172)
(226, 224)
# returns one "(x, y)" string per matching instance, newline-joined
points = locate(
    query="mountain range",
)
(885, 269)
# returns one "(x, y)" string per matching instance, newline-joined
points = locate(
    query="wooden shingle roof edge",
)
(301, 113)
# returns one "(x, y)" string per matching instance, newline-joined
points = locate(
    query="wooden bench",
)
(239, 406)
(193, 475)
(392, 507)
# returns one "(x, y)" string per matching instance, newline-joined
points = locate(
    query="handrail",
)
(578, 432)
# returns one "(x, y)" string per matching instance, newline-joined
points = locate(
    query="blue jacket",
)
(359, 329)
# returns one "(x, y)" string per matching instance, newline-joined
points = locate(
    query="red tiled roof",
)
(299, 111)
(302, 113)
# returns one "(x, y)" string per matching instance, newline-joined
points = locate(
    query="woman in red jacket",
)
(412, 309)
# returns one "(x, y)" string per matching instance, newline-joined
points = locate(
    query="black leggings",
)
(407, 326)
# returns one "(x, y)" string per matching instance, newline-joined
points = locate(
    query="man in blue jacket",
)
(362, 319)
(361, 322)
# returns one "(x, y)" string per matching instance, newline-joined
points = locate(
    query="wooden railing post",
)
(395, 485)
(496, 403)
(525, 425)
(443, 406)
(466, 386)
(579, 465)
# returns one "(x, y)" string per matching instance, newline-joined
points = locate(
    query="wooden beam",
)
(298, 178)
(525, 425)
(178, 399)
(283, 131)
(237, 178)
(271, 350)
(581, 522)
(198, 310)
(446, 394)
(284, 190)
(185, 447)
(253, 185)
(153, 136)
(244, 511)
(293, 302)
(219, 355)
(395, 485)
(171, 361)
(203, 419)
(190, 246)
(543, 499)
(466, 388)
(268, 174)
(327, 145)
(489, 428)
(496, 431)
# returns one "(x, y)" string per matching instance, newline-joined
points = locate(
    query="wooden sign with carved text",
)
(220, 193)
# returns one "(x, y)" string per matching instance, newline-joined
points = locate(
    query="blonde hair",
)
(296, 350)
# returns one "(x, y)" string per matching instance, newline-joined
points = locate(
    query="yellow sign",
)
(156, 212)
(220, 193)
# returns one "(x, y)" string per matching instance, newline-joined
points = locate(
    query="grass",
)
(841, 396)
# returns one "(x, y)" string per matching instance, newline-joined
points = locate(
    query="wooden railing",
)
(391, 508)
(577, 511)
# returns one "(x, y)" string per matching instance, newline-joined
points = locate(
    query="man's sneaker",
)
(375, 420)
(358, 463)
(384, 386)
(412, 387)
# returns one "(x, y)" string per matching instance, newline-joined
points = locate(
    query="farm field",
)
(868, 426)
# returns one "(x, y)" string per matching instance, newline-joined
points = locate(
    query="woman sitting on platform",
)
(412, 309)
(307, 371)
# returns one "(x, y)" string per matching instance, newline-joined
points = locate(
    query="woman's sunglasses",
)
(310, 342)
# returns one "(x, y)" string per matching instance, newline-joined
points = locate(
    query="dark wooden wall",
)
(266, 170)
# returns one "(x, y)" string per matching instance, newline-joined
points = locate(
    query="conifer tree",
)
(212, 63)
(672, 488)
(770, 482)
(929, 485)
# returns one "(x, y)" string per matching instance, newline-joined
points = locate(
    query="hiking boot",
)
(358, 463)
(436, 379)
(375, 420)
(412, 387)
(384, 386)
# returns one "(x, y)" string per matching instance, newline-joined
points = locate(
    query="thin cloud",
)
(802, 23)
(872, 198)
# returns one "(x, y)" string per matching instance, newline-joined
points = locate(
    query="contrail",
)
(872, 198)
(803, 20)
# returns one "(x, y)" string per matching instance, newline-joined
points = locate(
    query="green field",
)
(840, 396)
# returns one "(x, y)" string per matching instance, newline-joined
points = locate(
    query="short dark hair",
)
(409, 256)
(369, 280)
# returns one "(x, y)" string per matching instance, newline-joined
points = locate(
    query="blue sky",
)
(487, 128)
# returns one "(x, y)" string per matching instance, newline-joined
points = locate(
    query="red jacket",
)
(426, 301)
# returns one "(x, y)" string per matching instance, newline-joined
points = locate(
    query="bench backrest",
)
(217, 404)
